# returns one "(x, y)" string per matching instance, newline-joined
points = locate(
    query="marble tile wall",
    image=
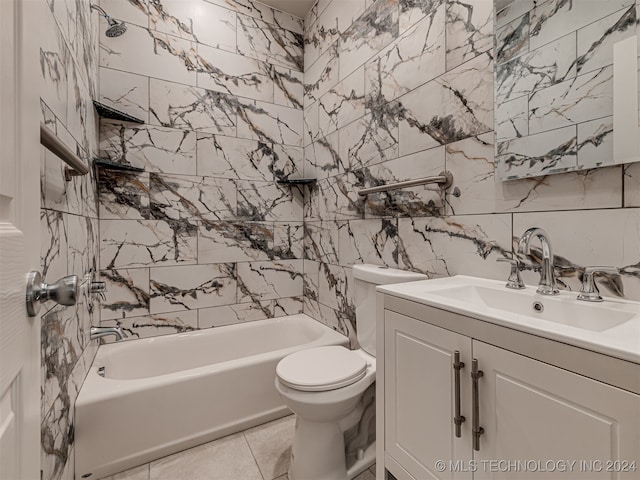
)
(205, 237)
(69, 220)
(399, 89)
(554, 84)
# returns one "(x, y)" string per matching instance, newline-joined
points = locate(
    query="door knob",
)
(63, 292)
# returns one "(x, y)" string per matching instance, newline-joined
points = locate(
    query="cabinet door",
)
(534, 412)
(419, 398)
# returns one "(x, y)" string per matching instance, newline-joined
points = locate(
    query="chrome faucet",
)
(547, 285)
(99, 332)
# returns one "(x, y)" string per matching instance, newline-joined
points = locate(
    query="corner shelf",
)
(297, 181)
(106, 111)
(114, 166)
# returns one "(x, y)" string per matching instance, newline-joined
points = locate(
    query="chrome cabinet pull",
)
(476, 429)
(458, 419)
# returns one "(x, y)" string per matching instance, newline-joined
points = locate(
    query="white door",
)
(19, 240)
(541, 418)
(420, 399)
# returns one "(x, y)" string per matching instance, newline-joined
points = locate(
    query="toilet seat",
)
(321, 369)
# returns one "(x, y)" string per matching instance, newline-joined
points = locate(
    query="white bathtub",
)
(165, 394)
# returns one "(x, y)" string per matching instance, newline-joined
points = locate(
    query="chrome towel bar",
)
(52, 143)
(445, 180)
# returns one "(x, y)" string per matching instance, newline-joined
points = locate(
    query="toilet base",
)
(318, 453)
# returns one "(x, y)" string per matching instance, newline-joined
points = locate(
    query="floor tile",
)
(224, 459)
(366, 475)
(271, 446)
(137, 473)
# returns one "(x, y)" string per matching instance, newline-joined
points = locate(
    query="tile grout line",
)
(255, 460)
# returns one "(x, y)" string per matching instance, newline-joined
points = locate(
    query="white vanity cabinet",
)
(535, 415)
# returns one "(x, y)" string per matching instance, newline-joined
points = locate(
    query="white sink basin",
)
(558, 309)
(611, 327)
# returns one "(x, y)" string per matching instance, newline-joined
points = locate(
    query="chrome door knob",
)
(63, 292)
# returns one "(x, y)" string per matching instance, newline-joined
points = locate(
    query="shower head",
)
(115, 28)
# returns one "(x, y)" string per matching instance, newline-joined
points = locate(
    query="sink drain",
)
(538, 307)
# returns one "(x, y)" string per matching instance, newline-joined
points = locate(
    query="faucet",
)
(99, 332)
(547, 285)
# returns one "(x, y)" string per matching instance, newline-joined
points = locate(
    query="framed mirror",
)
(566, 85)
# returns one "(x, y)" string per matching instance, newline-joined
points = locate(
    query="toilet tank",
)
(367, 277)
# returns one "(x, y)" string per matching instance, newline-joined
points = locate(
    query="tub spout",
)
(99, 332)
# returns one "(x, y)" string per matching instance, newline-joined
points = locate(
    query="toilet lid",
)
(321, 369)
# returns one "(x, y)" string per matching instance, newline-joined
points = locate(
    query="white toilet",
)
(332, 392)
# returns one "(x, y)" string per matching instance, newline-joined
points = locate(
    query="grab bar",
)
(52, 143)
(445, 180)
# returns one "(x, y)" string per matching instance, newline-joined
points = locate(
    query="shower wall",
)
(69, 219)
(205, 236)
(402, 89)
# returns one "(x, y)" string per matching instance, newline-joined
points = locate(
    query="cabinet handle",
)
(458, 419)
(476, 429)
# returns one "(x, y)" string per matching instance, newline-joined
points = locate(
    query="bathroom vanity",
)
(476, 381)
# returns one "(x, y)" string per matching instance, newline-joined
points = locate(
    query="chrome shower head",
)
(115, 28)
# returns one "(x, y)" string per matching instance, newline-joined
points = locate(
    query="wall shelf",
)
(114, 166)
(106, 111)
(297, 181)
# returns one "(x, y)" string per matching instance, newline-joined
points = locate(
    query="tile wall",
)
(69, 219)
(205, 237)
(399, 89)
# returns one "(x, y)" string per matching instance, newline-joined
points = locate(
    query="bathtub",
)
(165, 394)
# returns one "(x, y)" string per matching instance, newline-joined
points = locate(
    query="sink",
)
(611, 327)
(560, 309)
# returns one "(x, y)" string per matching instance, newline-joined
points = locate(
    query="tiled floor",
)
(259, 453)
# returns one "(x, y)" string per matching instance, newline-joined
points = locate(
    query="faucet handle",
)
(589, 290)
(515, 280)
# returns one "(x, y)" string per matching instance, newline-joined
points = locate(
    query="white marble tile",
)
(270, 445)
(269, 280)
(512, 39)
(547, 152)
(370, 139)
(320, 77)
(336, 299)
(236, 158)
(577, 244)
(595, 143)
(131, 243)
(239, 75)
(156, 149)
(372, 241)
(338, 198)
(580, 99)
(415, 58)
(195, 20)
(126, 92)
(311, 286)
(469, 30)
(288, 240)
(288, 162)
(127, 293)
(123, 195)
(311, 126)
(148, 52)
(288, 87)
(53, 245)
(288, 21)
(512, 118)
(323, 159)
(368, 35)
(187, 288)
(223, 242)
(154, 325)
(322, 33)
(513, 11)
(550, 20)
(269, 43)
(288, 306)
(54, 59)
(233, 314)
(455, 105)
(229, 457)
(412, 11)
(456, 245)
(270, 123)
(321, 242)
(248, 7)
(342, 104)
(130, 11)
(264, 201)
(632, 185)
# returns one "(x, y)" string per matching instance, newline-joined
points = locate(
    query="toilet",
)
(332, 391)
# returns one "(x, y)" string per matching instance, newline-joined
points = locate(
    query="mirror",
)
(558, 91)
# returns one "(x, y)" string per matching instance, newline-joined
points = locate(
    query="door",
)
(539, 417)
(420, 399)
(19, 239)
